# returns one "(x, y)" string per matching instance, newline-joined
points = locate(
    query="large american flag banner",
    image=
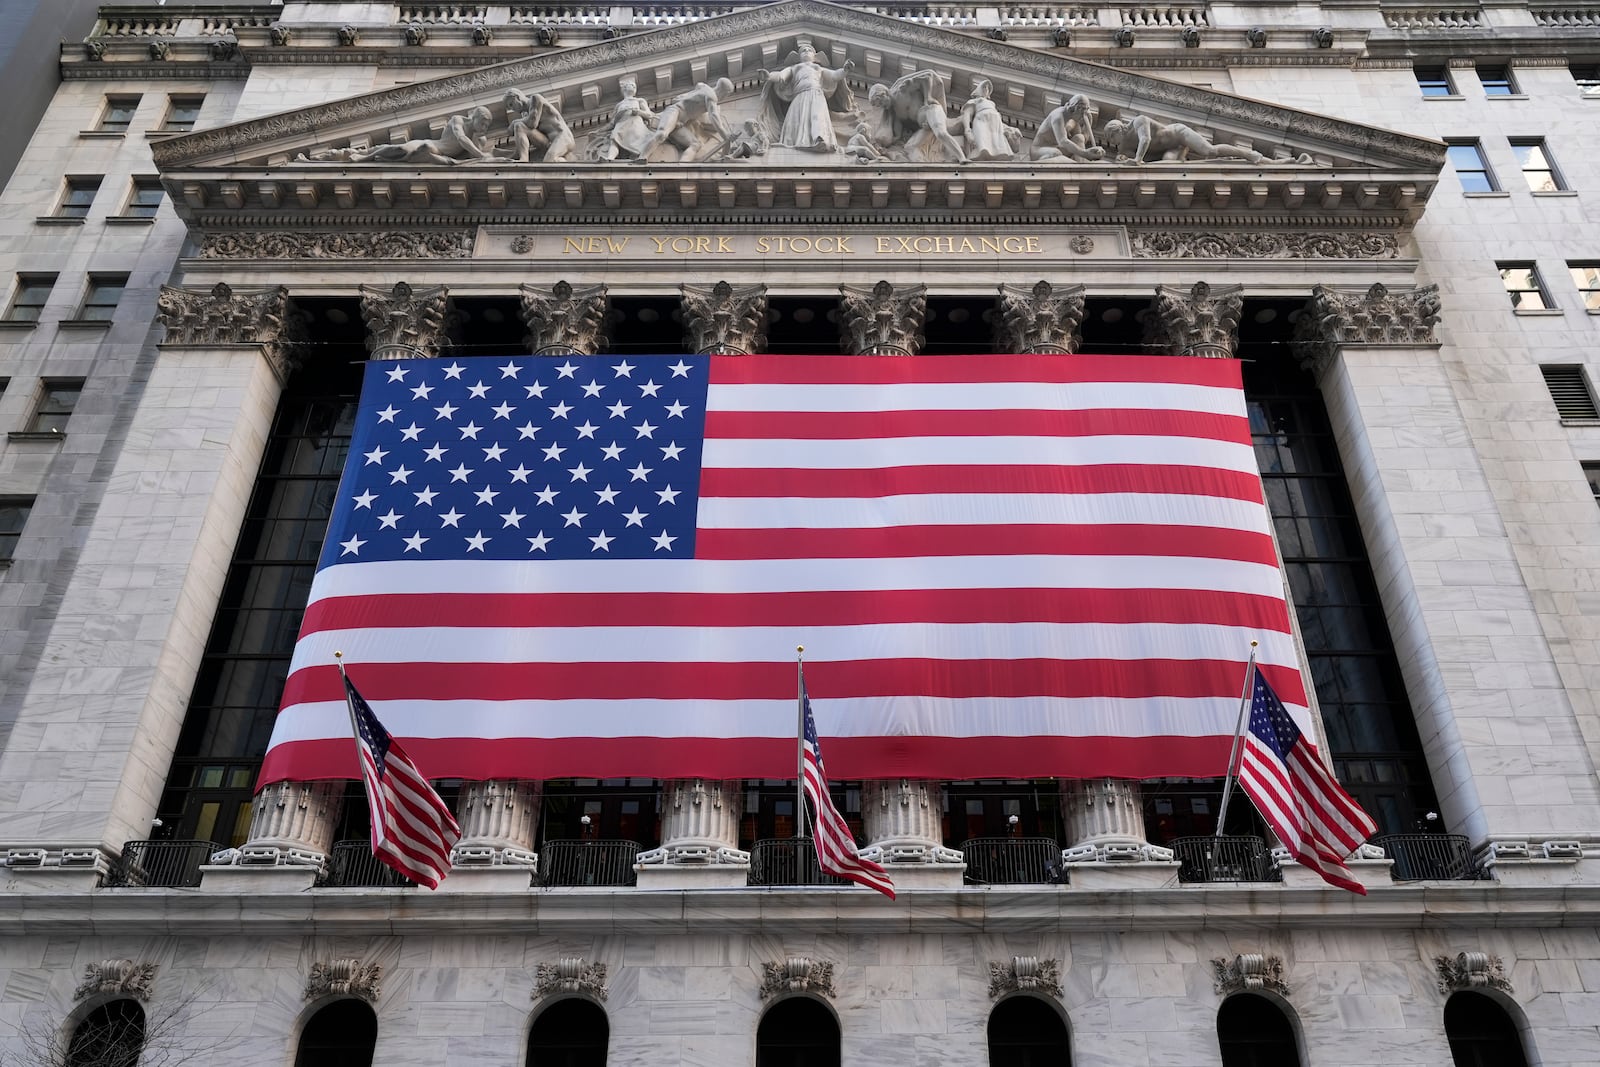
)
(1003, 566)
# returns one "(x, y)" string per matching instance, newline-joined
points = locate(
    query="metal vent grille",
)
(1570, 390)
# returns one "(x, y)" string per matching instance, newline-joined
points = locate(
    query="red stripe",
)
(900, 542)
(849, 758)
(874, 425)
(979, 478)
(966, 370)
(793, 609)
(1128, 679)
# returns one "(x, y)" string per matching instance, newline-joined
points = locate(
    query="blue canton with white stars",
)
(1270, 721)
(523, 457)
(373, 735)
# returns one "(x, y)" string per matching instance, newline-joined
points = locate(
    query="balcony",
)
(788, 861)
(1013, 861)
(161, 864)
(1431, 857)
(588, 862)
(1230, 858)
(351, 864)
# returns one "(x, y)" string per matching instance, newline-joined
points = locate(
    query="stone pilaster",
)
(563, 321)
(904, 821)
(224, 315)
(1200, 321)
(882, 319)
(405, 323)
(499, 819)
(1334, 318)
(1039, 320)
(724, 319)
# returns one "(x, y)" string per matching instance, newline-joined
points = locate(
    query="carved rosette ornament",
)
(723, 319)
(1379, 316)
(563, 321)
(1041, 320)
(1202, 321)
(223, 315)
(1025, 974)
(121, 978)
(797, 974)
(883, 319)
(344, 978)
(404, 323)
(570, 974)
(1471, 970)
(1248, 973)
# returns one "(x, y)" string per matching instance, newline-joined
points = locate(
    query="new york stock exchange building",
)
(575, 363)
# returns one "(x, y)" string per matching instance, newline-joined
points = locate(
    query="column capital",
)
(404, 323)
(883, 319)
(1378, 315)
(225, 315)
(564, 321)
(1041, 319)
(1200, 321)
(724, 319)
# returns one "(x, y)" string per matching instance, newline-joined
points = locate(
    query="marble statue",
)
(462, 140)
(917, 103)
(797, 102)
(1067, 133)
(984, 130)
(749, 141)
(629, 131)
(1139, 139)
(692, 123)
(536, 122)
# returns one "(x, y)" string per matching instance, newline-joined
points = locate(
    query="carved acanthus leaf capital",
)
(1202, 321)
(1040, 319)
(724, 319)
(223, 315)
(797, 974)
(570, 974)
(883, 319)
(403, 322)
(1249, 972)
(1377, 316)
(122, 978)
(1025, 974)
(564, 321)
(1471, 970)
(344, 978)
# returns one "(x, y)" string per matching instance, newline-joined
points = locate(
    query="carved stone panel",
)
(224, 315)
(123, 978)
(1026, 974)
(1041, 319)
(1302, 244)
(725, 320)
(402, 322)
(564, 321)
(883, 319)
(295, 244)
(1380, 316)
(346, 978)
(1202, 321)
(797, 974)
(1249, 973)
(570, 974)
(1471, 970)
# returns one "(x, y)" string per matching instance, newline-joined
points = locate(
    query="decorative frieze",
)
(570, 974)
(223, 315)
(1378, 316)
(1471, 970)
(296, 244)
(883, 319)
(1038, 320)
(1249, 973)
(797, 974)
(119, 978)
(403, 322)
(344, 977)
(724, 319)
(1182, 244)
(1201, 321)
(1025, 974)
(565, 321)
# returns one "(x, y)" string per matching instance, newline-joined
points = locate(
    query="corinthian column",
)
(904, 821)
(1039, 320)
(292, 823)
(498, 819)
(882, 319)
(723, 319)
(563, 321)
(1201, 321)
(404, 323)
(699, 837)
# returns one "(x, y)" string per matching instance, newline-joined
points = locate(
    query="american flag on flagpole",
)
(1282, 772)
(836, 845)
(412, 829)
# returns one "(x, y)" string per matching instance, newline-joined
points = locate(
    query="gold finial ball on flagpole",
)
(1253, 644)
(338, 655)
(799, 648)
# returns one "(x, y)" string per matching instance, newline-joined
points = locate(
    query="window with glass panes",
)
(1586, 276)
(1524, 286)
(1496, 80)
(57, 399)
(1472, 170)
(118, 114)
(101, 299)
(78, 196)
(1434, 81)
(1537, 168)
(1591, 471)
(1587, 77)
(13, 517)
(182, 112)
(145, 200)
(33, 290)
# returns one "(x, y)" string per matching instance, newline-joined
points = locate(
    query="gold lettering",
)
(682, 245)
(924, 245)
(801, 245)
(1012, 244)
(702, 244)
(905, 246)
(661, 245)
(1033, 245)
(725, 246)
(570, 244)
(989, 244)
(842, 246)
(883, 245)
(617, 247)
(763, 246)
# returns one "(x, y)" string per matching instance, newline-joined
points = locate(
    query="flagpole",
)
(355, 729)
(800, 741)
(1238, 732)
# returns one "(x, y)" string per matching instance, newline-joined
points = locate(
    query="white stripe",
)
(774, 454)
(767, 576)
(973, 396)
(997, 509)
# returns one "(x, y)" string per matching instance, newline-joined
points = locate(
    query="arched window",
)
(111, 1035)
(1027, 1032)
(798, 1032)
(1481, 1032)
(569, 1033)
(340, 1035)
(1254, 1032)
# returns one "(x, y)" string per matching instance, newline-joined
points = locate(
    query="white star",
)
(671, 451)
(601, 542)
(388, 413)
(425, 497)
(445, 412)
(645, 429)
(675, 410)
(375, 456)
(640, 473)
(476, 542)
(509, 370)
(536, 544)
(535, 390)
(592, 389)
(422, 392)
(351, 547)
(471, 430)
(680, 369)
(460, 474)
(415, 542)
(451, 517)
(607, 495)
(547, 495)
(664, 541)
(575, 517)
(410, 433)
(399, 475)
(387, 521)
(397, 374)
(526, 431)
(365, 499)
(587, 430)
(478, 392)
(668, 495)
(486, 495)
(636, 517)
(624, 369)
(512, 518)
(503, 410)
(567, 369)
(493, 452)
(520, 473)
(554, 452)
(454, 371)
(580, 473)
(612, 451)
(649, 388)
(435, 453)
(560, 410)
(619, 410)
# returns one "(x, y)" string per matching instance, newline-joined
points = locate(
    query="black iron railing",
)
(169, 864)
(1230, 858)
(588, 862)
(351, 863)
(788, 861)
(1441, 857)
(1013, 861)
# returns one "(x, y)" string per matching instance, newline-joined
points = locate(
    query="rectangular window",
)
(1496, 80)
(78, 196)
(57, 398)
(1434, 81)
(118, 115)
(100, 302)
(32, 292)
(1591, 471)
(1569, 388)
(1471, 168)
(146, 199)
(1586, 276)
(1522, 282)
(1537, 166)
(182, 112)
(1587, 77)
(13, 517)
